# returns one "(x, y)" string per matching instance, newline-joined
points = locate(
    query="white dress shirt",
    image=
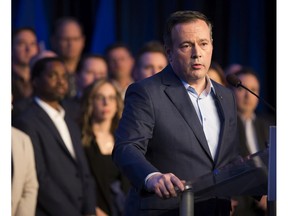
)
(58, 119)
(207, 112)
(250, 133)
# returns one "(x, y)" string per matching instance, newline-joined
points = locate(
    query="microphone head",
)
(233, 80)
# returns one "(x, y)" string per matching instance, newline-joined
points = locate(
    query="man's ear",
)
(168, 52)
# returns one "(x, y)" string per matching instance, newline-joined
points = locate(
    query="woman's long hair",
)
(87, 110)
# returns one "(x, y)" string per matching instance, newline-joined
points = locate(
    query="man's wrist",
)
(148, 177)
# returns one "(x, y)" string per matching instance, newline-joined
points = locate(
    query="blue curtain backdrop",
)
(244, 30)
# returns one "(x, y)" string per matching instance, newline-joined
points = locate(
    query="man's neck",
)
(199, 85)
(54, 104)
(246, 116)
(124, 82)
(71, 65)
(22, 71)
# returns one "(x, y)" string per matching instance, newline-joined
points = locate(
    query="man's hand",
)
(164, 185)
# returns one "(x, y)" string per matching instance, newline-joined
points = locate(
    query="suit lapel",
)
(74, 135)
(54, 131)
(220, 103)
(218, 98)
(177, 93)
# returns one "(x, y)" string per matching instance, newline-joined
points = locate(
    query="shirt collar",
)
(253, 117)
(207, 90)
(53, 113)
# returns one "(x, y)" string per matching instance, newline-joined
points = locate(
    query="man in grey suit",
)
(177, 125)
(66, 186)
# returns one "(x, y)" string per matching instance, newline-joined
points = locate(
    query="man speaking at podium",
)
(177, 125)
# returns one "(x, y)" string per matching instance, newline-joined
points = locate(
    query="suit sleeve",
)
(50, 196)
(133, 134)
(27, 203)
(89, 185)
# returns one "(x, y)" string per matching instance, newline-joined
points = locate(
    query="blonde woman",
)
(102, 107)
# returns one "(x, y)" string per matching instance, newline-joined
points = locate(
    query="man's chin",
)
(58, 97)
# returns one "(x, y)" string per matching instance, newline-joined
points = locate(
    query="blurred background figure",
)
(68, 41)
(41, 54)
(233, 68)
(102, 109)
(24, 47)
(216, 73)
(90, 68)
(120, 65)
(21, 105)
(151, 59)
(24, 178)
(253, 130)
(66, 186)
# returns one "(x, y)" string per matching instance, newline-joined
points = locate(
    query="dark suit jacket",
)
(160, 131)
(262, 134)
(65, 184)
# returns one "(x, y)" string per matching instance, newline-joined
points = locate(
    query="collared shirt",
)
(208, 116)
(207, 113)
(58, 119)
(251, 139)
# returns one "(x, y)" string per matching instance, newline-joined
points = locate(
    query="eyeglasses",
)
(100, 98)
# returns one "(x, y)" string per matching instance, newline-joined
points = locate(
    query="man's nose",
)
(196, 53)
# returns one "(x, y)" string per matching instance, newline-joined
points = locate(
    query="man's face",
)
(24, 47)
(70, 41)
(151, 63)
(93, 69)
(191, 51)
(247, 102)
(52, 84)
(120, 62)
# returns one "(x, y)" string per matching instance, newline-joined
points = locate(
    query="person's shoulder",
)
(223, 91)
(19, 137)
(266, 118)
(17, 132)
(144, 83)
(30, 111)
(219, 86)
(28, 117)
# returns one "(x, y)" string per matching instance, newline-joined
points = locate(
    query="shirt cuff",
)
(148, 177)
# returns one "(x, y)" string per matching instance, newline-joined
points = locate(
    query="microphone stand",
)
(270, 106)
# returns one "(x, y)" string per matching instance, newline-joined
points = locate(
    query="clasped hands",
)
(163, 185)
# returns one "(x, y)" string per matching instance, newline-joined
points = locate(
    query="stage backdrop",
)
(244, 30)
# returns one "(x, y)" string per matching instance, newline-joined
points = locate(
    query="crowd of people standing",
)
(69, 104)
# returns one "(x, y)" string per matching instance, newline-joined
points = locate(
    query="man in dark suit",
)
(253, 130)
(65, 183)
(177, 125)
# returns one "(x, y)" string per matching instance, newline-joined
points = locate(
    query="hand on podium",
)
(163, 185)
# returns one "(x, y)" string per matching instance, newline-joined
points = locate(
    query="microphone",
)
(233, 80)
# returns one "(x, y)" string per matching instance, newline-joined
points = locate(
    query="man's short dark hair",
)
(41, 64)
(182, 17)
(19, 30)
(152, 46)
(116, 46)
(63, 21)
(246, 71)
(88, 56)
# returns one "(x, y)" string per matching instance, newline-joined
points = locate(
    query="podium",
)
(244, 176)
